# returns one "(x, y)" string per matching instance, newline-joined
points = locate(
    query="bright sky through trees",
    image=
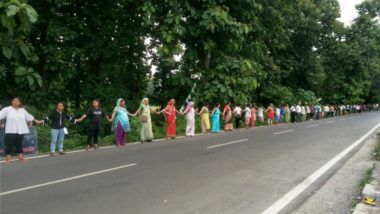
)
(348, 11)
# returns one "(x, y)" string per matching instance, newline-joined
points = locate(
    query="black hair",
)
(60, 102)
(19, 99)
(98, 101)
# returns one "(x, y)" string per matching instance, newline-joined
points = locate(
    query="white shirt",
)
(247, 112)
(237, 110)
(292, 109)
(278, 111)
(303, 111)
(298, 109)
(15, 120)
(307, 109)
(260, 112)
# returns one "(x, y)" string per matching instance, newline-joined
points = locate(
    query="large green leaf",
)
(21, 71)
(8, 22)
(3, 72)
(31, 81)
(39, 81)
(12, 10)
(7, 52)
(32, 14)
(24, 48)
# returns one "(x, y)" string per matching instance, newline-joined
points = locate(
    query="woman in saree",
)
(146, 134)
(270, 114)
(253, 116)
(170, 115)
(205, 115)
(120, 122)
(287, 114)
(190, 118)
(227, 116)
(215, 117)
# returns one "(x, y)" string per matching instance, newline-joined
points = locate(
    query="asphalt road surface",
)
(245, 171)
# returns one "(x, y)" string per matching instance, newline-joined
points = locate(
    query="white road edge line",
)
(290, 130)
(311, 126)
(296, 191)
(330, 122)
(225, 144)
(83, 150)
(66, 179)
(68, 152)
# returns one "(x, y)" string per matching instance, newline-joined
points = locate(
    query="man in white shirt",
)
(238, 114)
(332, 111)
(303, 112)
(308, 112)
(327, 110)
(293, 113)
(358, 108)
(299, 112)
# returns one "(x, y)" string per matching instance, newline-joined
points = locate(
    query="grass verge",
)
(365, 180)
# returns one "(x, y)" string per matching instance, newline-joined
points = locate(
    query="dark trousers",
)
(93, 133)
(293, 116)
(299, 117)
(237, 121)
(13, 141)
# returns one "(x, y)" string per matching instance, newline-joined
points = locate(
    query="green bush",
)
(278, 93)
(305, 96)
(43, 133)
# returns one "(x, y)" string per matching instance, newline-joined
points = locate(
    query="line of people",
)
(16, 119)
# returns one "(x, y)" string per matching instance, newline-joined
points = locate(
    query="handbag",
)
(143, 119)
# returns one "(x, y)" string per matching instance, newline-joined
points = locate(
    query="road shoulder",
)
(337, 194)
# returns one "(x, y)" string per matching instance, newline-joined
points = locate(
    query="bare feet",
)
(23, 160)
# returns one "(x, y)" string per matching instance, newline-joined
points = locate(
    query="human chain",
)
(17, 119)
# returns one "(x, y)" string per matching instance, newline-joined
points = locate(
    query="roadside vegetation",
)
(367, 177)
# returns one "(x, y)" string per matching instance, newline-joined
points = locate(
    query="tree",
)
(90, 50)
(17, 57)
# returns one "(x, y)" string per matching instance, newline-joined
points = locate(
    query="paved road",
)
(240, 172)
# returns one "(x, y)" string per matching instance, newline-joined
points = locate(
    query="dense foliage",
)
(244, 51)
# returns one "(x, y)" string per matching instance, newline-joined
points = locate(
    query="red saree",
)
(170, 113)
